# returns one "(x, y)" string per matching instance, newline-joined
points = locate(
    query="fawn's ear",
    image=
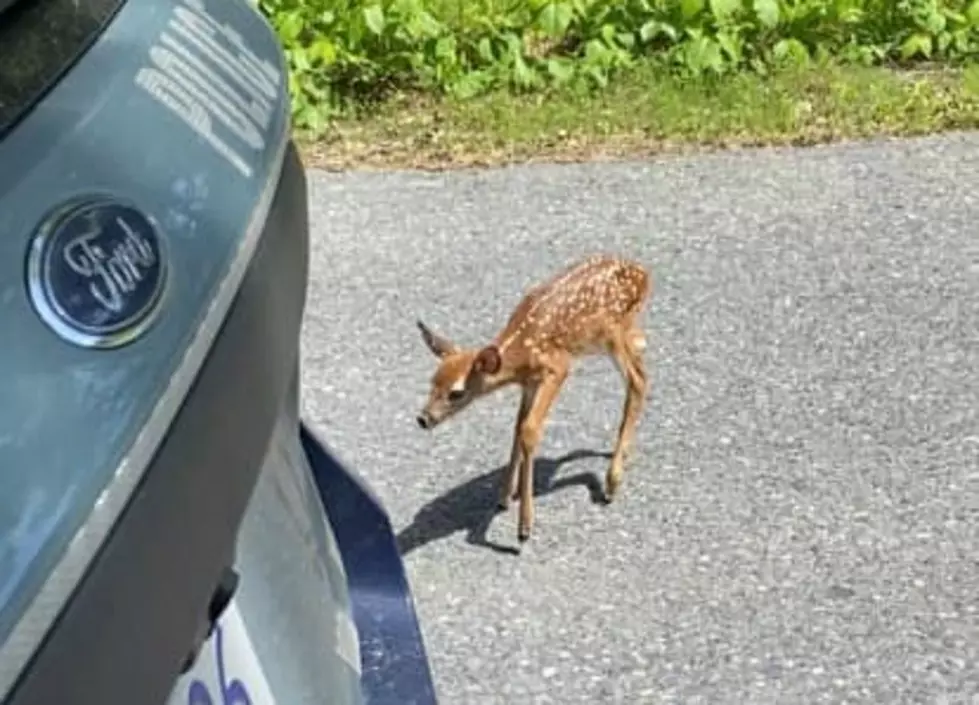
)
(436, 343)
(487, 361)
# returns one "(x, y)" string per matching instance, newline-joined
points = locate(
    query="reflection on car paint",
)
(20, 546)
(188, 198)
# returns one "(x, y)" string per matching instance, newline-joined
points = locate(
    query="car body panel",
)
(99, 131)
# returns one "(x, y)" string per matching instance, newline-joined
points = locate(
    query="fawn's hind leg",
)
(635, 346)
(627, 353)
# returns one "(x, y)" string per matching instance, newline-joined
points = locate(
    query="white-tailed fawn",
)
(590, 308)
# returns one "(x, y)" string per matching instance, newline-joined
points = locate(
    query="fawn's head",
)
(462, 375)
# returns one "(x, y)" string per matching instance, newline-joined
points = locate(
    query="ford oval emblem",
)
(97, 271)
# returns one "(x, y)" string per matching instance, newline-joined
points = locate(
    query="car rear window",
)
(39, 41)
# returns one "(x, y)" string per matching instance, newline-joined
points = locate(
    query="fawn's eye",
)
(456, 394)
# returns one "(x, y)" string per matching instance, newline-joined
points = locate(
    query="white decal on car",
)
(205, 74)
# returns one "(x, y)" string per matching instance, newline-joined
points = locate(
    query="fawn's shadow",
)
(473, 505)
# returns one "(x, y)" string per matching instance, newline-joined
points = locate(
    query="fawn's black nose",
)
(423, 421)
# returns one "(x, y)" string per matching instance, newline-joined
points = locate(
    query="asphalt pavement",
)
(800, 521)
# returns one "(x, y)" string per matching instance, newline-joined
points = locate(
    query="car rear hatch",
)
(160, 127)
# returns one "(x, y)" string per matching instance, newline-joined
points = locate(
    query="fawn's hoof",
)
(523, 535)
(611, 490)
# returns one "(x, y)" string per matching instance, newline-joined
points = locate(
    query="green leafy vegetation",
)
(348, 53)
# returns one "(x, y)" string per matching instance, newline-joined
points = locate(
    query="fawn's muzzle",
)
(425, 421)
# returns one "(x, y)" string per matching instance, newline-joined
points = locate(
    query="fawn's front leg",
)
(508, 483)
(530, 434)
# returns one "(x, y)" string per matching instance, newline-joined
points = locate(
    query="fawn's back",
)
(579, 311)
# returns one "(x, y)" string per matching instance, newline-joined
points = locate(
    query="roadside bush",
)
(343, 52)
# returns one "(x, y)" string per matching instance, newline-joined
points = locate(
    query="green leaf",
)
(522, 73)
(767, 12)
(561, 70)
(374, 19)
(555, 18)
(935, 22)
(514, 43)
(324, 50)
(598, 74)
(469, 85)
(485, 50)
(691, 8)
(723, 10)
(596, 52)
(315, 119)
(608, 32)
(944, 41)
(290, 25)
(790, 51)
(731, 45)
(850, 11)
(299, 57)
(445, 47)
(973, 13)
(703, 55)
(955, 18)
(654, 28)
(916, 44)
(962, 41)
(420, 25)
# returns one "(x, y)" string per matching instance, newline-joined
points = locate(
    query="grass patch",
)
(649, 111)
